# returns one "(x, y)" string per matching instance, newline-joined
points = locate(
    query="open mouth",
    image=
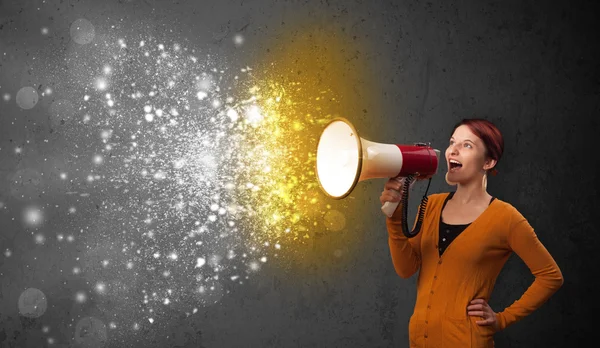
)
(454, 165)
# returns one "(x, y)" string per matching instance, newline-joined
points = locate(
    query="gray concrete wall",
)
(402, 71)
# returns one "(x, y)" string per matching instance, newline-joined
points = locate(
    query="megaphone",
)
(344, 159)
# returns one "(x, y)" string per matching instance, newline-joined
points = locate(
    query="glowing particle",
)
(156, 255)
(173, 256)
(142, 43)
(27, 97)
(216, 103)
(149, 117)
(147, 109)
(238, 39)
(6, 97)
(60, 237)
(98, 159)
(45, 31)
(33, 216)
(263, 259)
(100, 288)
(200, 262)
(151, 320)
(101, 84)
(254, 266)
(107, 69)
(167, 301)
(253, 114)
(233, 115)
(179, 164)
(76, 270)
(201, 95)
(159, 112)
(214, 207)
(80, 297)
(7, 253)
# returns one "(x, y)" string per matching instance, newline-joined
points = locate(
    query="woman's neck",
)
(470, 192)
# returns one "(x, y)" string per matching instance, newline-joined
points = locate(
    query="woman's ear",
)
(489, 164)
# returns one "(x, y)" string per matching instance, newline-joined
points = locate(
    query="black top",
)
(449, 232)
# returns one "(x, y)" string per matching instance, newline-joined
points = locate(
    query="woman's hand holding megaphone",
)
(392, 193)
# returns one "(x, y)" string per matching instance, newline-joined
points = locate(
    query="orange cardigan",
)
(467, 270)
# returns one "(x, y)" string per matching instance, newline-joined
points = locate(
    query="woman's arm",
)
(405, 252)
(523, 240)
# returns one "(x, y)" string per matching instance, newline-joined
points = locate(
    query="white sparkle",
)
(80, 297)
(100, 288)
(101, 84)
(200, 262)
(40, 239)
(238, 39)
(232, 114)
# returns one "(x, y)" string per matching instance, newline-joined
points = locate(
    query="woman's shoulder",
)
(508, 208)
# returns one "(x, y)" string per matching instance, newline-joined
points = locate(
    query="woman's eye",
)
(469, 145)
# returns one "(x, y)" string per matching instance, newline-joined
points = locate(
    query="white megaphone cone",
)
(344, 159)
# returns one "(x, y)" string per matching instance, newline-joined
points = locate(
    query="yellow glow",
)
(304, 83)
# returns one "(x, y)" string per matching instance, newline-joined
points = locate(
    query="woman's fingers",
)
(485, 322)
(477, 313)
(475, 306)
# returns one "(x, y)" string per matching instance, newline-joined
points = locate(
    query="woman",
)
(466, 237)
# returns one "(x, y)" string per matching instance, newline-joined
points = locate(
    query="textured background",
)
(409, 71)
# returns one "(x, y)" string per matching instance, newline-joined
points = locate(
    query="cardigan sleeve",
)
(405, 252)
(523, 240)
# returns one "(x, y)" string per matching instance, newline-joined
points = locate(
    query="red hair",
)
(489, 134)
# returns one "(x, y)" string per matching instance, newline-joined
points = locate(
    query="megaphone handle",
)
(389, 208)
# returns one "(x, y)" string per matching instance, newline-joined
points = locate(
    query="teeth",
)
(453, 161)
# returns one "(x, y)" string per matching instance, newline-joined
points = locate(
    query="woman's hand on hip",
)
(480, 308)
